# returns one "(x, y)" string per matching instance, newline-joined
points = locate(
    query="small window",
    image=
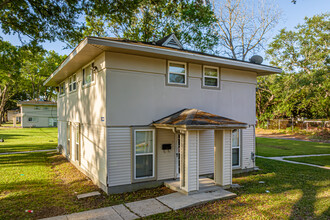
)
(52, 122)
(46, 108)
(236, 147)
(144, 148)
(88, 74)
(62, 88)
(36, 108)
(177, 73)
(32, 119)
(73, 83)
(211, 77)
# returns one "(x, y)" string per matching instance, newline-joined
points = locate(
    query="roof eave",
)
(196, 127)
(259, 69)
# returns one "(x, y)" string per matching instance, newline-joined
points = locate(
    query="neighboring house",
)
(11, 115)
(38, 113)
(134, 114)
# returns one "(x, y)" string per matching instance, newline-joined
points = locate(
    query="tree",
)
(37, 64)
(42, 20)
(149, 20)
(9, 73)
(243, 26)
(303, 89)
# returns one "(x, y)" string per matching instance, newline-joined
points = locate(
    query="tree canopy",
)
(303, 89)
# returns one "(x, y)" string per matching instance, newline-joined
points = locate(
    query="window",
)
(177, 73)
(88, 75)
(62, 88)
(236, 147)
(32, 119)
(46, 108)
(211, 77)
(73, 83)
(77, 147)
(36, 108)
(52, 122)
(144, 148)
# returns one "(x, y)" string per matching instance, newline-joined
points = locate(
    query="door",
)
(177, 154)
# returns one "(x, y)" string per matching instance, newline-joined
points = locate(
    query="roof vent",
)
(256, 59)
(170, 41)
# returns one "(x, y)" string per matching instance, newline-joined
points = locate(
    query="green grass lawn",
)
(319, 160)
(27, 139)
(295, 192)
(46, 182)
(269, 147)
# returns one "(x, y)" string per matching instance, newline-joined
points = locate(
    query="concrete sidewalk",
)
(282, 158)
(143, 208)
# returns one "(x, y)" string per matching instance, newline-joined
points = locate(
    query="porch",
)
(205, 185)
(187, 125)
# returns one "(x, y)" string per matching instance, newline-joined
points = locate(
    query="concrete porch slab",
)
(179, 201)
(86, 195)
(147, 207)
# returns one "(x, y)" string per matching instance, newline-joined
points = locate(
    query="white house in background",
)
(135, 114)
(11, 115)
(38, 113)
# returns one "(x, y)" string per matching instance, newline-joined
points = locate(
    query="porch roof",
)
(197, 119)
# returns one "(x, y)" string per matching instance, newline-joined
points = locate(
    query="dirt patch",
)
(45, 212)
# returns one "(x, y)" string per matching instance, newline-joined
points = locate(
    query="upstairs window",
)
(62, 88)
(177, 73)
(211, 77)
(73, 83)
(88, 75)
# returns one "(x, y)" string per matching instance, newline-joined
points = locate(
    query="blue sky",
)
(293, 14)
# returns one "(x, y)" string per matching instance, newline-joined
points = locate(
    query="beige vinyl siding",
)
(93, 152)
(247, 147)
(192, 170)
(206, 152)
(165, 158)
(119, 156)
(62, 140)
(227, 161)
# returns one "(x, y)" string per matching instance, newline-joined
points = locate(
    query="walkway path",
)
(25, 152)
(282, 158)
(143, 208)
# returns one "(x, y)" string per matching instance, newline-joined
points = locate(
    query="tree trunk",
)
(3, 101)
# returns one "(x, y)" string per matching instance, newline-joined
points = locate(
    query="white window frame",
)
(71, 83)
(185, 74)
(34, 119)
(212, 77)
(153, 154)
(62, 89)
(92, 75)
(237, 147)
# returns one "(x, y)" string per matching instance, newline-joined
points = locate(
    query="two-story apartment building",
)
(133, 114)
(37, 113)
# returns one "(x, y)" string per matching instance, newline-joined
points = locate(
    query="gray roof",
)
(194, 118)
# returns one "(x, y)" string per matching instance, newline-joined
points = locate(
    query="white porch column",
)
(222, 158)
(189, 174)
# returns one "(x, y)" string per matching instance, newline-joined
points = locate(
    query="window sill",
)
(236, 167)
(211, 87)
(88, 85)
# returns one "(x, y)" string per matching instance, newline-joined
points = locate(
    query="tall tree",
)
(9, 73)
(303, 89)
(242, 26)
(37, 64)
(148, 20)
(42, 20)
